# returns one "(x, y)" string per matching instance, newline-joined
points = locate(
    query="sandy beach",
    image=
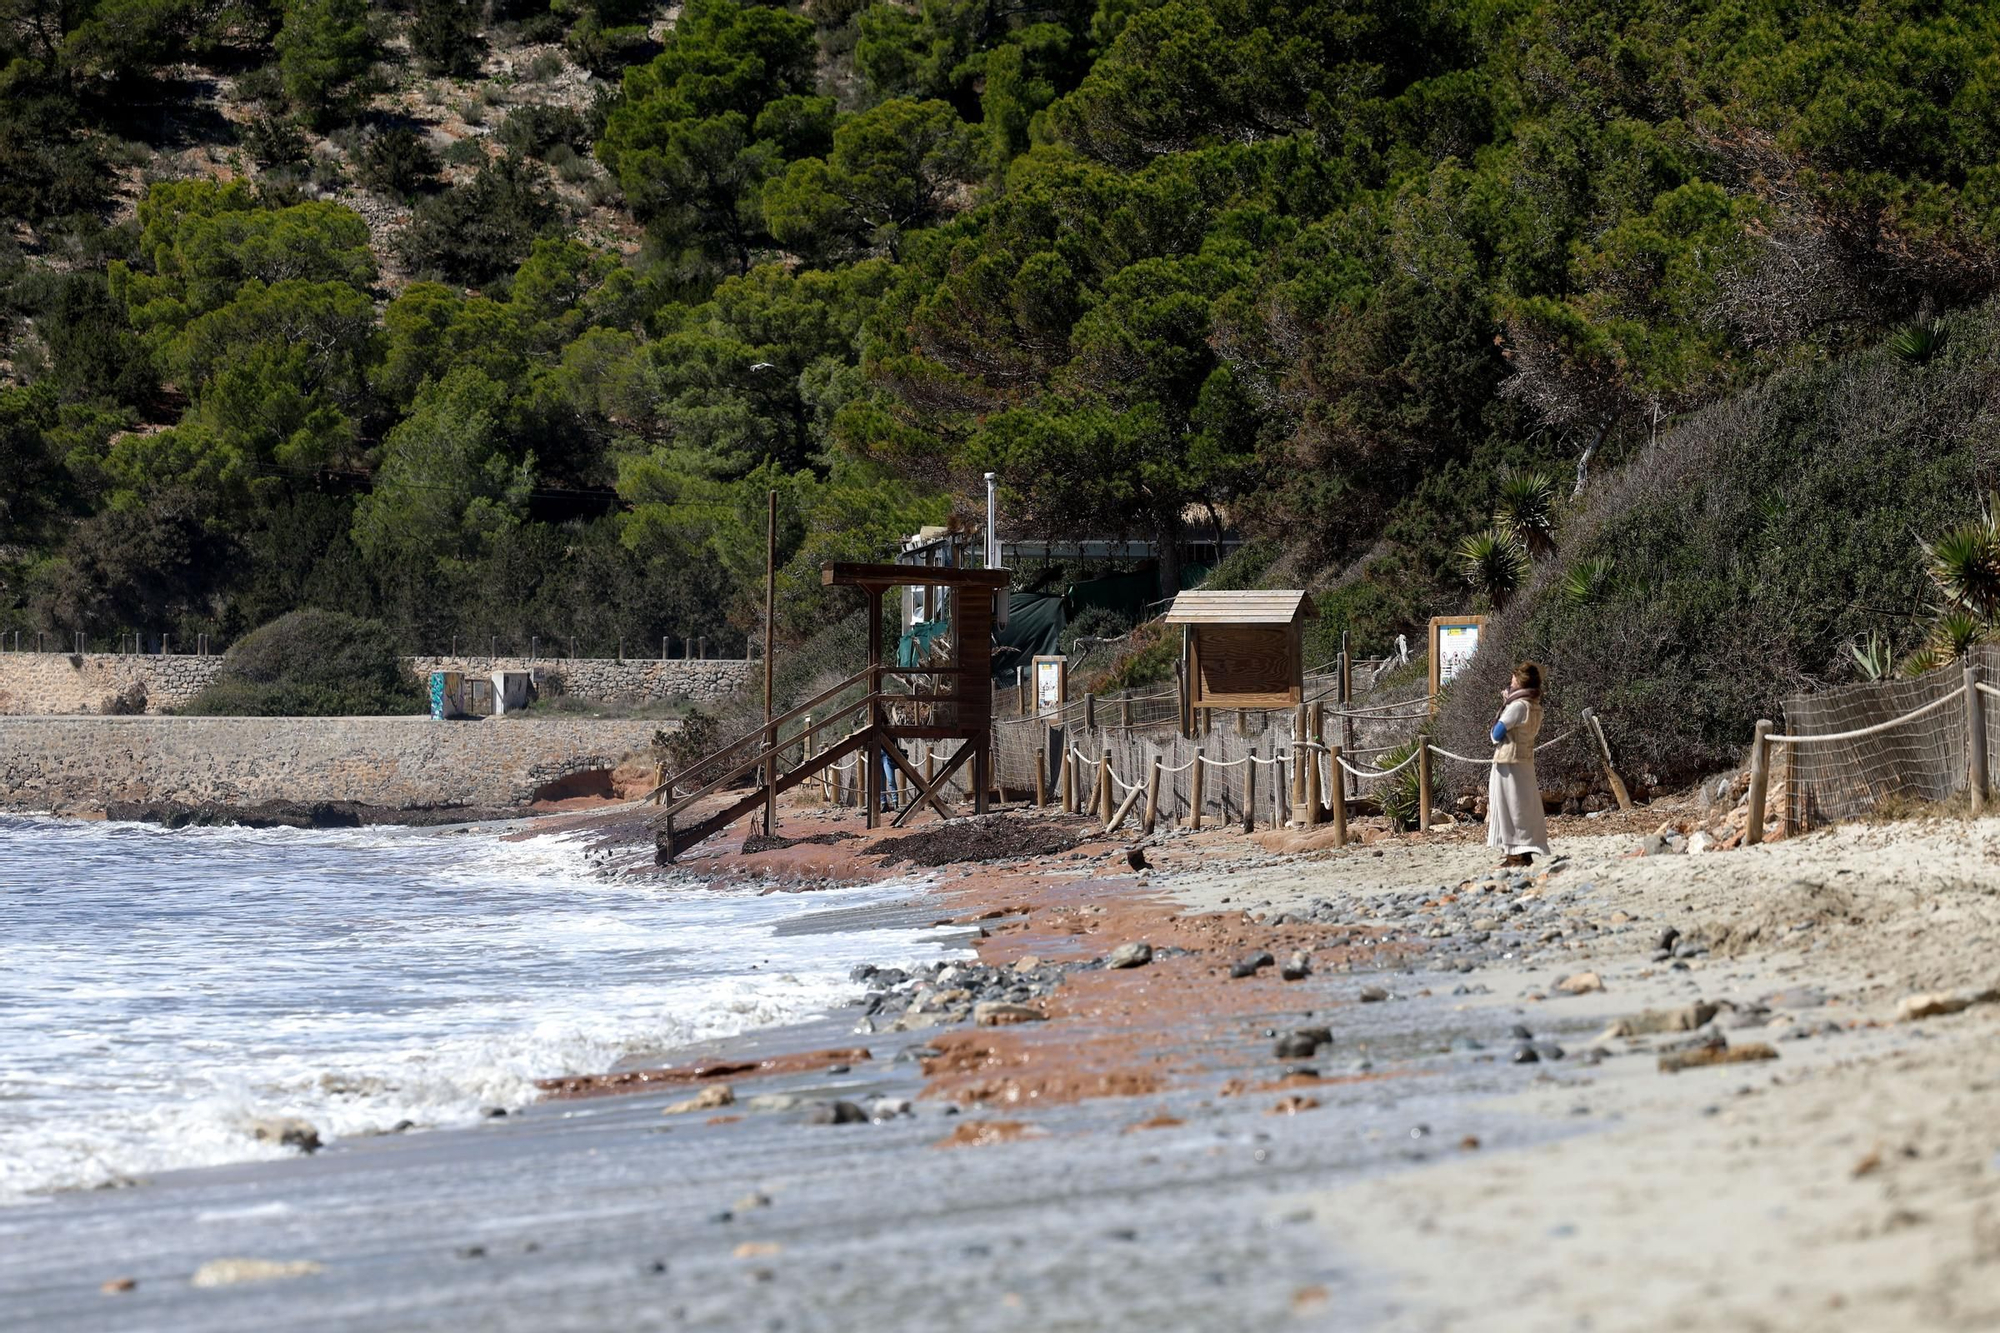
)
(1124, 1146)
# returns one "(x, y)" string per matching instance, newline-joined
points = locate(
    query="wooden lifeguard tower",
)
(1240, 650)
(950, 697)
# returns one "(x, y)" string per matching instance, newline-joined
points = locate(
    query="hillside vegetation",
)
(500, 320)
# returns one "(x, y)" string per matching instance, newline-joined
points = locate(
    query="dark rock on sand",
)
(836, 1113)
(1295, 1046)
(1524, 1054)
(1250, 966)
(1297, 967)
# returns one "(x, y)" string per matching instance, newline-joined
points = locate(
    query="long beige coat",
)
(1514, 821)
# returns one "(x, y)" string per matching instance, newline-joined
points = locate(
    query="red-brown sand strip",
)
(640, 1080)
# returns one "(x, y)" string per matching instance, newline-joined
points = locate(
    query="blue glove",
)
(1499, 733)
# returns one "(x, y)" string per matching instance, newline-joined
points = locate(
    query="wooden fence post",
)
(1090, 711)
(1975, 742)
(1311, 757)
(1066, 780)
(1298, 763)
(1611, 777)
(1194, 793)
(1104, 788)
(1117, 819)
(1153, 794)
(1125, 712)
(1337, 796)
(1423, 785)
(1760, 778)
(1277, 787)
(1250, 792)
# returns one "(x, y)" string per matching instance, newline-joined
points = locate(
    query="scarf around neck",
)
(1532, 696)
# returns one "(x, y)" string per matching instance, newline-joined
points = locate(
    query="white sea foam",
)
(161, 990)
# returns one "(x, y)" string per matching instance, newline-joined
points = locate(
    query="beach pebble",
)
(233, 1272)
(287, 1130)
(1582, 983)
(1000, 1013)
(1524, 1054)
(836, 1113)
(1136, 954)
(1941, 1002)
(1252, 964)
(708, 1099)
(1372, 995)
(889, 1108)
(1297, 967)
(1295, 1046)
(118, 1285)
(774, 1101)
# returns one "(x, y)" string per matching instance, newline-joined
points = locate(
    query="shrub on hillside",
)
(399, 161)
(311, 663)
(1735, 561)
(476, 232)
(533, 130)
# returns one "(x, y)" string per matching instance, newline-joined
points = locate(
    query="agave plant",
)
(1527, 511)
(1588, 580)
(1965, 563)
(1494, 563)
(1918, 341)
(1874, 657)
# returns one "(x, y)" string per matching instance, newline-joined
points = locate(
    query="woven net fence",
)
(1915, 746)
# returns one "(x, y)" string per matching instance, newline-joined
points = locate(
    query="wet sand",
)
(1142, 1158)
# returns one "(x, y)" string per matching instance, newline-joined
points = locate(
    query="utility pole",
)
(770, 680)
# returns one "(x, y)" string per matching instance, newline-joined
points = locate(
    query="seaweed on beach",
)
(988, 838)
(773, 842)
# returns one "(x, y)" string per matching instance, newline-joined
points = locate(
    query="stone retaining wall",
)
(632, 680)
(65, 683)
(77, 763)
(62, 684)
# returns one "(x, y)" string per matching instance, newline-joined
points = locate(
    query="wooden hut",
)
(1240, 650)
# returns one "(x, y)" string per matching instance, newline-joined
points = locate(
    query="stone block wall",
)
(74, 764)
(61, 684)
(65, 683)
(633, 680)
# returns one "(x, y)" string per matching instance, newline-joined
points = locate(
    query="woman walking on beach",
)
(1514, 820)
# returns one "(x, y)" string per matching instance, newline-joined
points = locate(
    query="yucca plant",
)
(1494, 563)
(1527, 511)
(1918, 341)
(1953, 634)
(1588, 580)
(1956, 632)
(1399, 796)
(1965, 563)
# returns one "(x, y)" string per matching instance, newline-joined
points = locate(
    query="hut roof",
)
(1250, 607)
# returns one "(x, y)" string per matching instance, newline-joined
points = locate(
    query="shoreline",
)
(1416, 1178)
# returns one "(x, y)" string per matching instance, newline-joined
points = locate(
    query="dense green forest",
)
(501, 319)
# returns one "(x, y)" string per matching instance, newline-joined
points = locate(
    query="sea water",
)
(160, 990)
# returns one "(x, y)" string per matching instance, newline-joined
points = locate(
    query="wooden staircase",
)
(937, 703)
